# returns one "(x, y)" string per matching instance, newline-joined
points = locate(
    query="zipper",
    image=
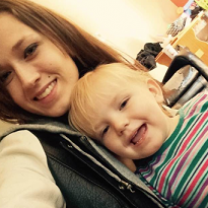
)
(85, 142)
(124, 185)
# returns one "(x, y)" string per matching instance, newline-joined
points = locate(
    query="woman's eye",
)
(30, 50)
(123, 104)
(5, 77)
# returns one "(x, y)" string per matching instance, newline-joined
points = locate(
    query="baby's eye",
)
(105, 130)
(123, 104)
(4, 77)
(30, 50)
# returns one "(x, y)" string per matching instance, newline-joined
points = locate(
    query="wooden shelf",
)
(188, 38)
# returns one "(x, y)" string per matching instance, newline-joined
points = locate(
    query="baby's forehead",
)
(104, 82)
(104, 100)
(103, 89)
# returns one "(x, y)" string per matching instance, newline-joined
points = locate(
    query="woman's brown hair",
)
(86, 51)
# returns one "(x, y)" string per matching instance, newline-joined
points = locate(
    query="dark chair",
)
(186, 76)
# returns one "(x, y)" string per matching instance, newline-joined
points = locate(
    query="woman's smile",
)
(46, 92)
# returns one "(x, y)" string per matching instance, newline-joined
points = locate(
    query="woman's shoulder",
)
(48, 125)
(22, 142)
(23, 137)
(22, 158)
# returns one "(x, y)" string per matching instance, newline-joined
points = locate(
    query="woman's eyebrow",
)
(18, 44)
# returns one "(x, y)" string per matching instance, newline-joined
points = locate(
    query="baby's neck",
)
(129, 163)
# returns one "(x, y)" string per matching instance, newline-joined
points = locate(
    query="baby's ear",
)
(155, 88)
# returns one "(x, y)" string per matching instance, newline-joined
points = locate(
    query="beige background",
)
(125, 24)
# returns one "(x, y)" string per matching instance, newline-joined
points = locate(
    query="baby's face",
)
(130, 121)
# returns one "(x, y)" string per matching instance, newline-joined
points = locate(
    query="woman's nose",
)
(28, 75)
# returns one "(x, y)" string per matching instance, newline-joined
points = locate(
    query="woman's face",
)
(37, 74)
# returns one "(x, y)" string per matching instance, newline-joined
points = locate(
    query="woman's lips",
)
(139, 135)
(47, 91)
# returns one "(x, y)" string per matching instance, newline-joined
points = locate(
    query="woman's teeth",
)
(47, 91)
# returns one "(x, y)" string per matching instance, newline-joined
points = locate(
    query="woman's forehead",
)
(10, 24)
(8, 19)
(13, 34)
(11, 27)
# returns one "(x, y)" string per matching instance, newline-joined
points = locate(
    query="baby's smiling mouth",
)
(139, 134)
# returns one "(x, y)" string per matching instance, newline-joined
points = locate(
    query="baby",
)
(123, 109)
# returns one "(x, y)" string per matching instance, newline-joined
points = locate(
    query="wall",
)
(125, 24)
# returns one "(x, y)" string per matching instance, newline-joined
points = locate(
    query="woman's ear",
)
(156, 90)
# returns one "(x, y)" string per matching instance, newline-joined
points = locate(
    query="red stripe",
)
(161, 182)
(194, 182)
(195, 106)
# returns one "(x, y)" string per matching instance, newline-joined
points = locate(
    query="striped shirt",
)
(178, 172)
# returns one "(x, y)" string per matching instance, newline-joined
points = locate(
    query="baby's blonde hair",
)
(97, 85)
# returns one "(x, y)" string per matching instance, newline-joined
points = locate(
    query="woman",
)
(43, 162)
